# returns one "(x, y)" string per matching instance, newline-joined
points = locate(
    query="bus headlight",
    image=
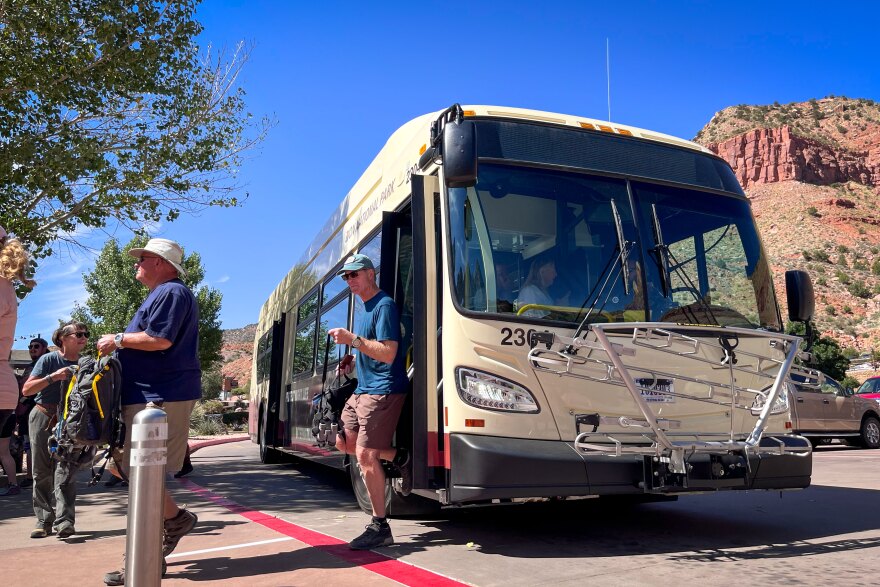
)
(780, 406)
(493, 393)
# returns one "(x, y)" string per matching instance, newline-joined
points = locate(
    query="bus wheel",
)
(268, 455)
(395, 505)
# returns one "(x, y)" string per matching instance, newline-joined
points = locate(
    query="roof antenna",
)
(608, 73)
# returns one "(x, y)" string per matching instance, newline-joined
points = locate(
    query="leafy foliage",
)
(827, 356)
(115, 295)
(108, 111)
(212, 383)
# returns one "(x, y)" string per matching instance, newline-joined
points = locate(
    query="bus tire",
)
(395, 505)
(268, 455)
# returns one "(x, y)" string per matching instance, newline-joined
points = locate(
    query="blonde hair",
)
(14, 261)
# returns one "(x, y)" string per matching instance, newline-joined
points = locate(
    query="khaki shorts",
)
(372, 418)
(178, 432)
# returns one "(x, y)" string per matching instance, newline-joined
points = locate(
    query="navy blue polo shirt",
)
(170, 312)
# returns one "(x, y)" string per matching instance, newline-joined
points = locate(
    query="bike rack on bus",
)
(595, 358)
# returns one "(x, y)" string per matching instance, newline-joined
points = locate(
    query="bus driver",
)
(370, 414)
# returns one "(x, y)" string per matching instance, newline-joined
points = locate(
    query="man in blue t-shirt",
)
(371, 413)
(159, 352)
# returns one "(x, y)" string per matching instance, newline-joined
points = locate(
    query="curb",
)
(196, 445)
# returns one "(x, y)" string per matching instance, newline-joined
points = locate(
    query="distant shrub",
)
(842, 249)
(859, 265)
(859, 289)
(821, 281)
(850, 382)
(812, 211)
(831, 310)
(841, 129)
(875, 267)
(842, 261)
(842, 277)
(846, 310)
(821, 255)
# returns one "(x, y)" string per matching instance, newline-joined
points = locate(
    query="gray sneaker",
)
(176, 528)
(374, 536)
(118, 577)
(65, 531)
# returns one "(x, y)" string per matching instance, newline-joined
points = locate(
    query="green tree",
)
(110, 112)
(115, 295)
(827, 356)
(212, 383)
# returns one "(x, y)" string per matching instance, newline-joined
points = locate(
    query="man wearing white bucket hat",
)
(159, 355)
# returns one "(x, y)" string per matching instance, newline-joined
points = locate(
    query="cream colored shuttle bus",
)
(587, 308)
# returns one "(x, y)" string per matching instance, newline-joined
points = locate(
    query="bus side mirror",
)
(460, 154)
(799, 294)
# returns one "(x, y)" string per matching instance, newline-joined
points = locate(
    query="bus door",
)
(273, 435)
(396, 279)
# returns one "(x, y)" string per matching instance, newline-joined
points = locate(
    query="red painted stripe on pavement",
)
(391, 568)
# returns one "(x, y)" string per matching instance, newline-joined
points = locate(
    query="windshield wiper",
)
(663, 254)
(623, 247)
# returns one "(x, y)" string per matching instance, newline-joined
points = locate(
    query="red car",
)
(870, 389)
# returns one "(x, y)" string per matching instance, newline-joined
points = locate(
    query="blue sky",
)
(340, 77)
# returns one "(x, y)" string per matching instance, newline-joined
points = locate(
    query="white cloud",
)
(223, 279)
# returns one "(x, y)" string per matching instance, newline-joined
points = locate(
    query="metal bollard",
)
(146, 498)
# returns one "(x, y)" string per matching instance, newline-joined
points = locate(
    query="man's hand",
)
(345, 366)
(341, 335)
(107, 344)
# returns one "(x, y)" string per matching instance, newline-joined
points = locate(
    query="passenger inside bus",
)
(537, 288)
(505, 292)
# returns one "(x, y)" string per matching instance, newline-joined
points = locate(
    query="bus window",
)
(304, 339)
(335, 316)
(373, 250)
(715, 267)
(307, 309)
(332, 288)
(264, 356)
(541, 243)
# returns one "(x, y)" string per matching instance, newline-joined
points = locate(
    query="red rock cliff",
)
(770, 155)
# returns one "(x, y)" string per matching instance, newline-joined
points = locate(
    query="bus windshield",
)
(542, 244)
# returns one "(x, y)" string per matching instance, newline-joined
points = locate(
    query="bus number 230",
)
(515, 337)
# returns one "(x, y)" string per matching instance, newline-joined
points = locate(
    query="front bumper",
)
(489, 467)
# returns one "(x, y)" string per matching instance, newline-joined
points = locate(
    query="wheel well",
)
(870, 414)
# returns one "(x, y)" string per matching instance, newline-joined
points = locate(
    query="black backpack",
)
(328, 404)
(90, 415)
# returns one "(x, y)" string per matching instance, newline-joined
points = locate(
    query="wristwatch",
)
(117, 340)
(356, 342)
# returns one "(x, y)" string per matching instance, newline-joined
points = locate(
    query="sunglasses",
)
(350, 275)
(142, 258)
(35, 346)
(79, 334)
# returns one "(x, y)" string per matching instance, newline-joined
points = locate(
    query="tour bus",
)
(586, 307)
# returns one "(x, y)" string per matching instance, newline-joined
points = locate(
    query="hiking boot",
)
(185, 470)
(374, 536)
(65, 531)
(176, 528)
(405, 469)
(118, 577)
(10, 490)
(42, 530)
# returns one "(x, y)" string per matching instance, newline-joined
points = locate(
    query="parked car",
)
(822, 409)
(870, 388)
